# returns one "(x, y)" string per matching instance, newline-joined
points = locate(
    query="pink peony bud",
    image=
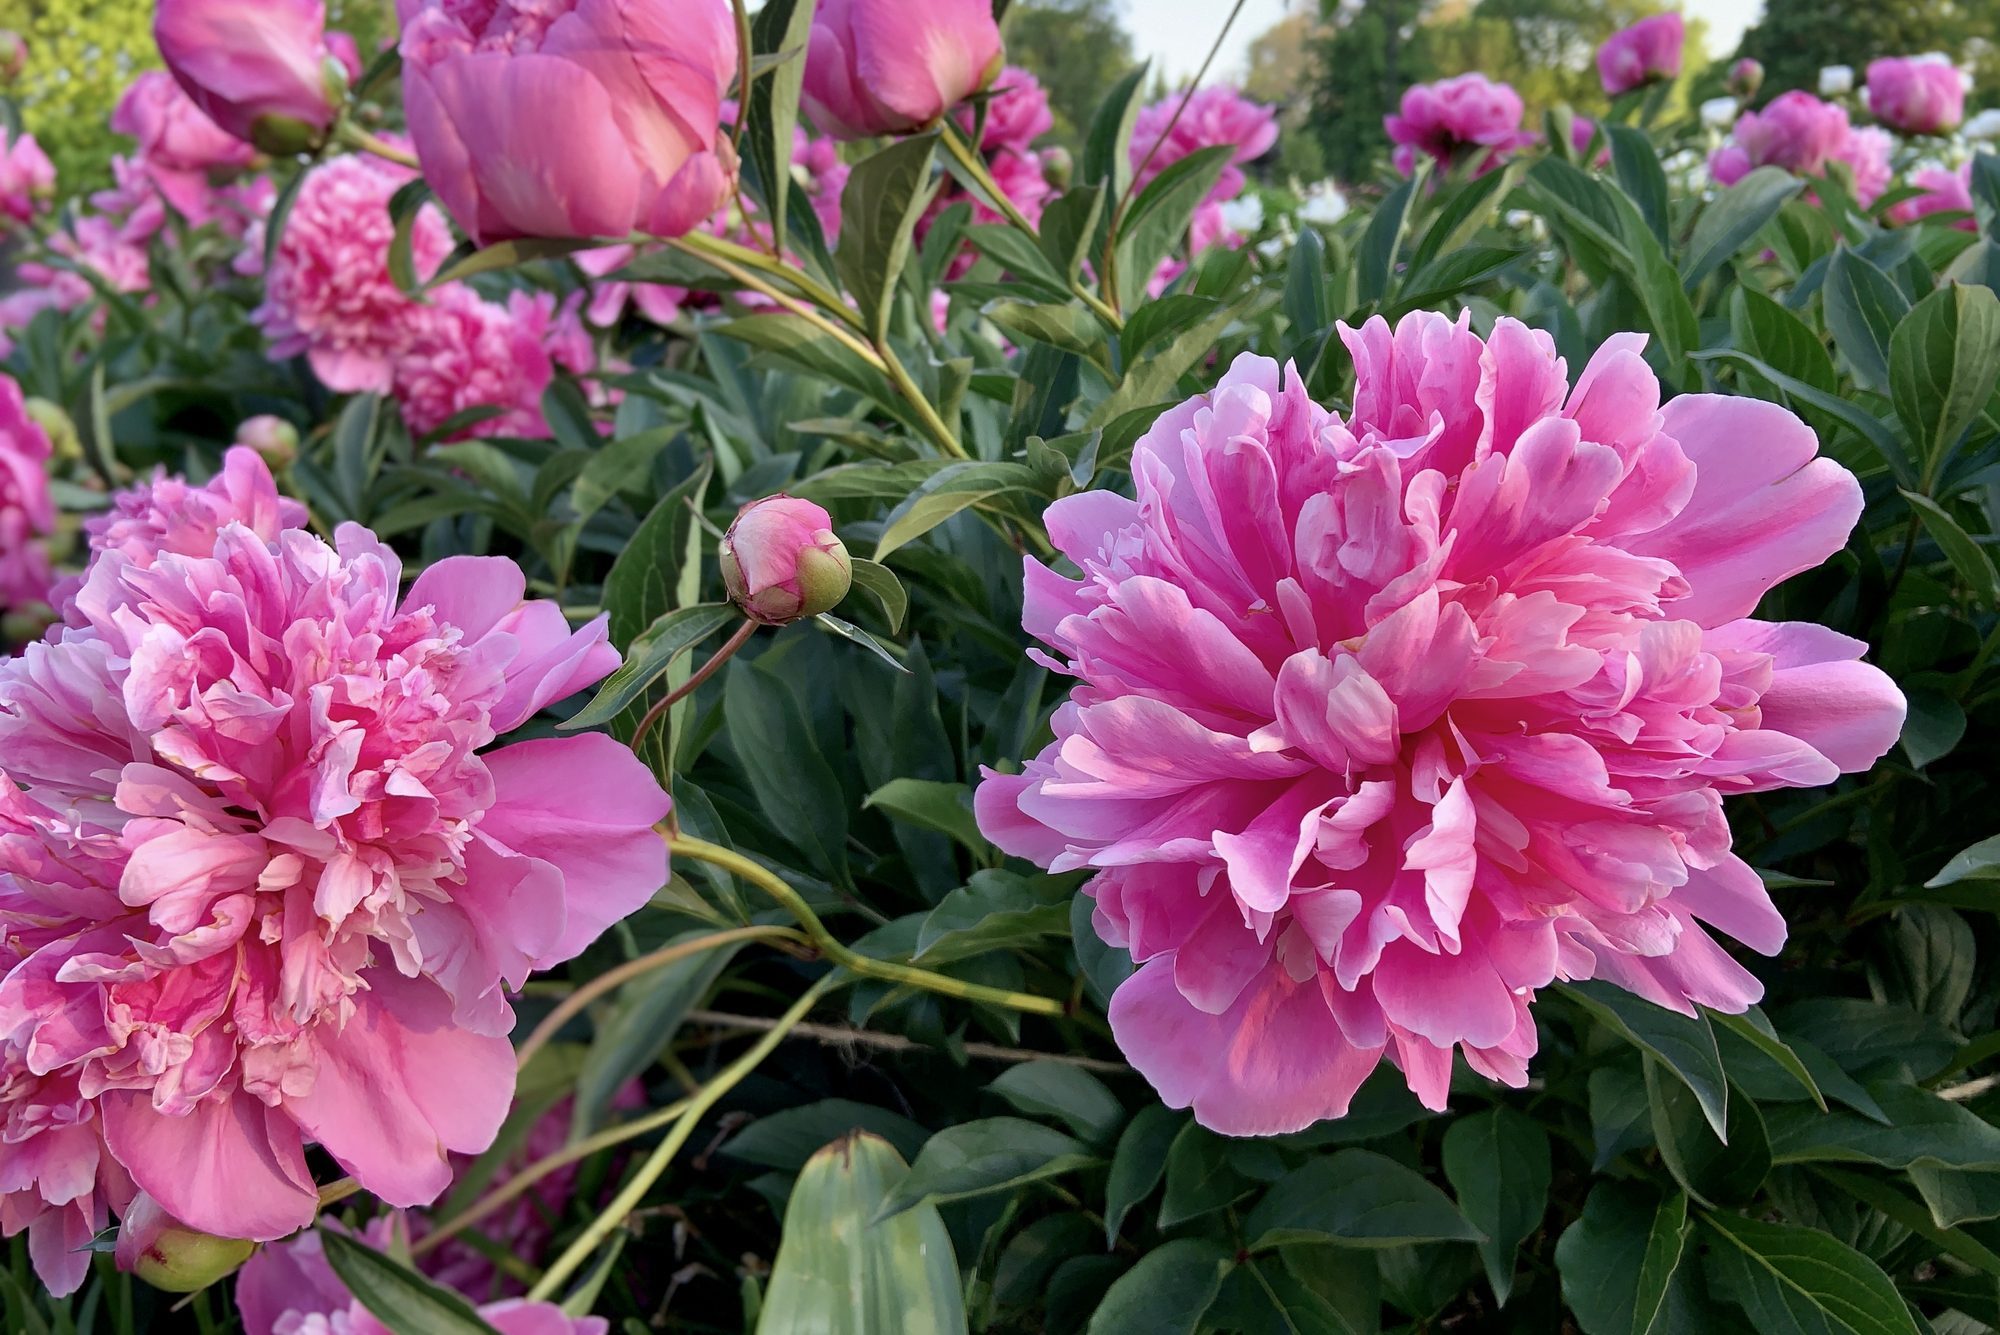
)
(27, 178)
(1469, 116)
(259, 68)
(13, 55)
(571, 118)
(1648, 51)
(1916, 94)
(1746, 76)
(161, 1251)
(275, 439)
(781, 562)
(890, 67)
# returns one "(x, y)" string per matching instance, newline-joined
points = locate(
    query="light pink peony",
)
(263, 884)
(180, 148)
(877, 67)
(290, 1289)
(258, 68)
(167, 516)
(27, 178)
(1017, 114)
(1866, 152)
(27, 510)
(571, 118)
(1213, 117)
(1469, 115)
(328, 294)
(1795, 131)
(1916, 94)
(1646, 52)
(466, 352)
(1383, 725)
(1944, 192)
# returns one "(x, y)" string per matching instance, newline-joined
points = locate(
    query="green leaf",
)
(1159, 217)
(771, 106)
(1138, 1164)
(1792, 1278)
(1863, 309)
(1465, 210)
(946, 493)
(648, 659)
(1926, 961)
(1754, 1029)
(404, 207)
(397, 1296)
(1636, 165)
(1168, 1292)
(994, 910)
(981, 1157)
(1944, 360)
(1725, 1171)
(786, 1139)
(944, 807)
(1358, 1198)
(797, 790)
(1618, 1261)
(1923, 1129)
(1305, 303)
(799, 344)
(1375, 262)
(1200, 1177)
(1068, 327)
(615, 465)
(884, 196)
(1068, 226)
(1498, 1163)
(1981, 862)
(508, 255)
(1934, 727)
(1736, 214)
(1155, 377)
(1917, 1218)
(880, 583)
(843, 1268)
(1107, 150)
(1070, 1094)
(1684, 1044)
(1764, 329)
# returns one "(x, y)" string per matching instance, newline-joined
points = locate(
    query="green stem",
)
(641, 1182)
(354, 137)
(736, 864)
(935, 426)
(715, 247)
(729, 268)
(693, 683)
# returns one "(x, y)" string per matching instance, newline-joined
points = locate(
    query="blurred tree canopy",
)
(1797, 37)
(1077, 48)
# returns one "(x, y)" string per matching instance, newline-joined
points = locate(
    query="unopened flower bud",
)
(161, 1251)
(781, 561)
(1058, 167)
(13, 55)
(1746, 76)
(57, 426)
(274, 439)
(285, 136)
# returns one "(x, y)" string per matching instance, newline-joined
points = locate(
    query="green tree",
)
(1796, 37)
(1077, 48)
(1366, 62)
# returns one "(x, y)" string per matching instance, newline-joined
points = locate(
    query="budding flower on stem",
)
(260, 69)
(13, 55)
(166, 1254)
(878, 67)
(1746, 76)
(781, 561)
(274, 439)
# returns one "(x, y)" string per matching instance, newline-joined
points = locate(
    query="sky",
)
(1177, 33)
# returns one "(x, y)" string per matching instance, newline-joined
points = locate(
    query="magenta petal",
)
(232, 1167)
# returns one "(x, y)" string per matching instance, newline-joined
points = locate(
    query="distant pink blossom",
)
(289, 1289)
(265, 881)
(1916, 94)
(180, 148)
(27, 509)
(1646, 52)
(1017, 114)
(466, 352)
(27, 178)
(1381, 725)
(1470, 115)
(1944, 192)
(1800, 133)
(328, 294)
(1866, 151)
(1214, 117)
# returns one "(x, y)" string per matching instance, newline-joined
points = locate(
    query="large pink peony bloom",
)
(27, 178)
(165, 515)
(466, 352)
(1213, 117)
(27, 510)
(1802, 134)
(327, 293)
(290, 1289)
(1470, 114)
(1944, 192)
(876, 67)
(1916, 94)
(262, 884)
(1383, 724)
(1636, 56)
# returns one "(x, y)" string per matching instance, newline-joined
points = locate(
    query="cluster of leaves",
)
(1827, 1163)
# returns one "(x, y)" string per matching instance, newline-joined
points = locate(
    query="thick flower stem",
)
(574, 1003)
(945, 438)
(736, 864)
(712, 248)
(728, 268)
(693, 683)
(975, 167)
(353, 136)
(641, 1182)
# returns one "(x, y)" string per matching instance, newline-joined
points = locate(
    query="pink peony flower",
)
(1746, 76)
(571, 118)
(1469, 115)
(263, 883)
(877, 67)
(781, 561)
(1646, 52)
(290, 1289)
(1382, 725)
(1866, 152)
(179, 146)
(1916, 94)
(1017, 114)
(1944, 192)
(1213, 117)
(328, 293)
(27, 178)
(167, 516)
(257, 68)
(658, 303)
(1795, 131)
(27, 510)
(466, 352)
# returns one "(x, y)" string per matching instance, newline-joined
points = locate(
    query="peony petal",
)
(232, 1167)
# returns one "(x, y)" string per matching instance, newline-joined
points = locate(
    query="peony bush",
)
(667, 669)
